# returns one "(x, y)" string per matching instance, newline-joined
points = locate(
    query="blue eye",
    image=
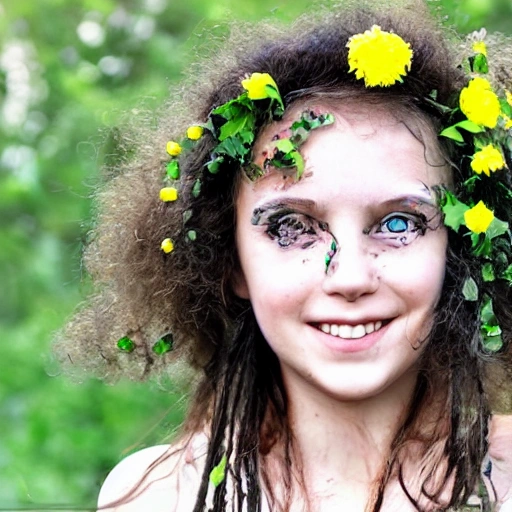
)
(397, 224)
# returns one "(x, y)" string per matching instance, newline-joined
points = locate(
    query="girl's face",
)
(351, 328)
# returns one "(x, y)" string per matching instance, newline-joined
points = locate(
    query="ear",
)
(239, 284)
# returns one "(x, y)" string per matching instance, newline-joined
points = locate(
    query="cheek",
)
(420, 274)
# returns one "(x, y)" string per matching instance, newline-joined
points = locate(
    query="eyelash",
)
(414, 225)
(287, 227)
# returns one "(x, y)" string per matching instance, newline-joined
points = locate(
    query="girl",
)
(328, 246)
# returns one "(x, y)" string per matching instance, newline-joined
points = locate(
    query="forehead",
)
(365, 142)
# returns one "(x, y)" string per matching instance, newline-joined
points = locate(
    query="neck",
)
(343, 446)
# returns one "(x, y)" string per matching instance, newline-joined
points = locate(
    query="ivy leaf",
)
(218, 473)
(173, 170)
(299, 163)
(234, 126)
(479, 64)
(452, 133)
(506, 107)
(453, 210)
(488, 272)
(490, 329)
(470, 290)
(196, 189)
(481, 244)
(273, 93)
(470, 126)
(496, 228)
(285, 145)
(507, 274)
(214, 165)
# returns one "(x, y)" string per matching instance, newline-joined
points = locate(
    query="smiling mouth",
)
(351, 332)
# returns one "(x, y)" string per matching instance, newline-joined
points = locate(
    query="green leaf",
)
(481, 244)
(173, 170)
(470, 126)
(452, 133)
(488, 272)
(453, 210)
(196, 189)
(214, 165)
(285, 145)
(507, 274)
(470, 289)
(479, 64)
(506, 107)
(492, 343)
(236, 125)
(273, 93)
(496, 228)
(299, 163)
(218, 473)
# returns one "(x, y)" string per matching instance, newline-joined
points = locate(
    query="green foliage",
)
(69, 69)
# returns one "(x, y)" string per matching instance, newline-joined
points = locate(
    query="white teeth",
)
(358, 331)
(326, 328)
(351, 332)
(345, 331)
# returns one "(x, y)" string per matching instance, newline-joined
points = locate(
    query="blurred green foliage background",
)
(69, 71)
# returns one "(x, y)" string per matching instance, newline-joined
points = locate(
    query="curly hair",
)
(145, 294)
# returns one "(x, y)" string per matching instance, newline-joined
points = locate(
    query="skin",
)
(366, 175)
(344, 406)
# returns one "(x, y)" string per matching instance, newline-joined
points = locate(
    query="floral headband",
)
(480, 125)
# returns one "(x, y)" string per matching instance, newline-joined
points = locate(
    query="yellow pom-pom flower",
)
(487, 159)
(255, 85)
(195, 132)
(168, 194)
(167, 245)
(508, 122)
(508, 95)
(478, 218)
(173, 148)
(381, 58)
(480, 47)
(480, 103)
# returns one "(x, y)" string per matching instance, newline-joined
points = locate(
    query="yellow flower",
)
(194, 132)
(508, 122)
(480, 103)
(255, 85)
(380, 57)
(478, 218)
(173, 148)
(508, 94)
(487, 159)
(168, 194)
(480, 47)
(167, 246)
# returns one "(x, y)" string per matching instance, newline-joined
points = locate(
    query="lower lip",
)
(348, 346)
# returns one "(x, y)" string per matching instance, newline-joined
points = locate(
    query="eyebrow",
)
(412, 200)
(401, 200)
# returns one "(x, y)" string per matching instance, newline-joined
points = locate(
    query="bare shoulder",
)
(500, 452)
(159, 478)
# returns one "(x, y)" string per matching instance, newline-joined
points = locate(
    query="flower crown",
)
(480, 126)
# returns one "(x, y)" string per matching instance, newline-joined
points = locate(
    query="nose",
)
(351, 270)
